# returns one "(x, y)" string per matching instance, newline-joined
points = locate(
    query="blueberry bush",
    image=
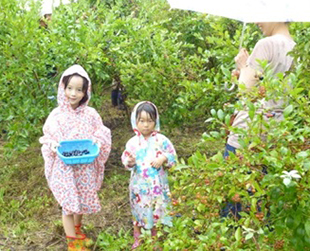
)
(179, 56)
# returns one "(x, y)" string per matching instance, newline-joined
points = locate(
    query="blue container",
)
(81, 145)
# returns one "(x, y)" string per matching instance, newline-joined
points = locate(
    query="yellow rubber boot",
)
(88, 242)
(76, 244)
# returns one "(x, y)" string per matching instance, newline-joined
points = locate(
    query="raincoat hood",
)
(61, 98)
(134, 122)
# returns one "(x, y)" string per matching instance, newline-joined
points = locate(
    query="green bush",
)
(203, 186)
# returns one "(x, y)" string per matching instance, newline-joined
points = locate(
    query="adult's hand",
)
(241, 59)
(235, 74)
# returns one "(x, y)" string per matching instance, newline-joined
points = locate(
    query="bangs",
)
(149, 109)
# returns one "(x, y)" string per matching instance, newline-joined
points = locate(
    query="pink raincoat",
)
(75, 186)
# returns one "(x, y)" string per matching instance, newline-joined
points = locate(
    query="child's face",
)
(145, 124)
(74, 91)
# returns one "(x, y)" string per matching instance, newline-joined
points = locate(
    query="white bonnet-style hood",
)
(61, 98)
(133, 118)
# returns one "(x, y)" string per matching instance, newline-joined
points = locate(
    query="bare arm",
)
(247, 75)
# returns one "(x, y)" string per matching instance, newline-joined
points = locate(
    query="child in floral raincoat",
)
(145, 155)
(75, 187)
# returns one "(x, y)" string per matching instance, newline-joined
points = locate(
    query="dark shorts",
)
(229, 148)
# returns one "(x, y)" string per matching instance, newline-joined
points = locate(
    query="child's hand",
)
(53, 145)
(131, 160)
(158, 162)
(97, 142)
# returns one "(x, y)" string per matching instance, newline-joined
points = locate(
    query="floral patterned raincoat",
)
(75, 186)
(149, 188)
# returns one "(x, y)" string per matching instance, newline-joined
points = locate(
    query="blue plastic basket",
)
(81, 144)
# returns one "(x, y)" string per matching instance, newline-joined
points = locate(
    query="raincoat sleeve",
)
(129, 150)
(49, 135)
(101, 134)
(49, 129)
(168, 151)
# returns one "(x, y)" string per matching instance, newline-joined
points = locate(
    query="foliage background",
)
(184, 58)
(149, 48)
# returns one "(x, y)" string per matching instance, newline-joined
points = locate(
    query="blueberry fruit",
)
(76, 153)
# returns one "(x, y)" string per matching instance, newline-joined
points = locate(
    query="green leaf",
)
(219, 199)
(307, 227)
(247, 222)
(253, 144)
(249, 236)
(260, 231)
(209, 120)
(238, 234)
(251, 114)
(215, 134)
(225, 71)
(10, 117)
(288, 110)
(220, 114)
(180, 167)
(302, 154)
(251, 109)
(201, 208)
(307, 165)
(289, 221)
(253, 204)
(227, 119)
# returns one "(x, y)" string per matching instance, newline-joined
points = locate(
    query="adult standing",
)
(274, 49)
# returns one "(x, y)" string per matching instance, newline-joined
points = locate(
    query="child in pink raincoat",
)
(75, 186)
(144, 156)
